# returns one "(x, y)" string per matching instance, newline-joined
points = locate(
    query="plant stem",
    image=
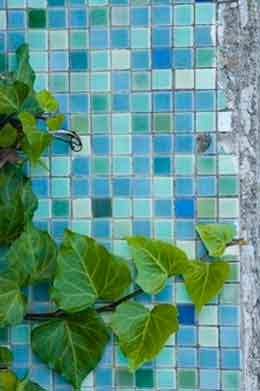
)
(237, 242)
(106, 308)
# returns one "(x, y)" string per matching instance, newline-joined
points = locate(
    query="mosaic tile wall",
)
(137, 80)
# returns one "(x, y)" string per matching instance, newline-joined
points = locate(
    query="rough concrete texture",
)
(239, 74)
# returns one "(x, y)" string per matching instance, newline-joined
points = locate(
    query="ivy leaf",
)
(12, 300)
(55, 123)
(12, 97)
(6, 357)
(8, 135)
(47, 101)
(72, 346)
(215, 237)
(27, 385)
(86, 272)
(35, 141)
(12, 220)
(13, 182)
(204, 281)
(143, 333)
(32, 256)
(9, 382)
(155, 262)
(17, 202)
(24, 71)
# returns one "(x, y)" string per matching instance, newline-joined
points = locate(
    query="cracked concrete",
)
(239, 75)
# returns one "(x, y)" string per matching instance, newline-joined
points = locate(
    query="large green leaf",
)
(24, 71)
(6, 357)
(12, 97)
(12, 220)
(72, 346)
(13, 182)
(143, 333)
(55, 122)
(33, 256)
(47, 101)
(155, 262)
(205, 280)
(216, 236)
(12, 300)
(9, 382)
(36, 141)
(8, 135)
(17, 202)
(86, 272)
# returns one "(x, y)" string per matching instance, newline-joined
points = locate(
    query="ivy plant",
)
(93, 291)
(20, 109)
(87, 281)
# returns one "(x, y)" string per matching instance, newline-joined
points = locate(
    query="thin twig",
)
(61, 314)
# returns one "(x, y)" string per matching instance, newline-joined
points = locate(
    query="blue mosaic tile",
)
(137, 81)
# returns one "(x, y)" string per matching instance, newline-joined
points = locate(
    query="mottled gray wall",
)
(239, 68)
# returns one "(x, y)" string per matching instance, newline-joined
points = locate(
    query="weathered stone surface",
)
(239, 74)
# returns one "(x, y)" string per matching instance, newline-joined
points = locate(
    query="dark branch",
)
(61, 314)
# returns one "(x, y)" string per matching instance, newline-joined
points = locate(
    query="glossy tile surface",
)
(137, 79)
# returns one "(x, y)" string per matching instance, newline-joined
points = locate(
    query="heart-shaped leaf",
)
(72, 346)
(6, 357)
(47, 101)
(17, 202)
(24, 71)
(36, 141)
(143, 333)
(12, 97)
(12, 301)
(215, 237)
(86, 272)
(55, 123)
(10, 382)
(155, 261)
(12, 220)
(32, 256)
(204, 281)
(8, 135)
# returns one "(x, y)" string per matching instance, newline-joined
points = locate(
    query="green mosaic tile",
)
(99, 103)
(206, 165)
(100, 166)
(80, 123)
(187, 379)
(183, 36)
(140, 122)
(144, 378)
(228, 185)
(205, 57)
(100, 123)
(98, 16)
(79, 81)
(141, 81)
(79, 39)
(59, 82)
(60, 208)
(124, 378)
(231, 380)
(162, 122)
(37, 18)
(206, 207)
